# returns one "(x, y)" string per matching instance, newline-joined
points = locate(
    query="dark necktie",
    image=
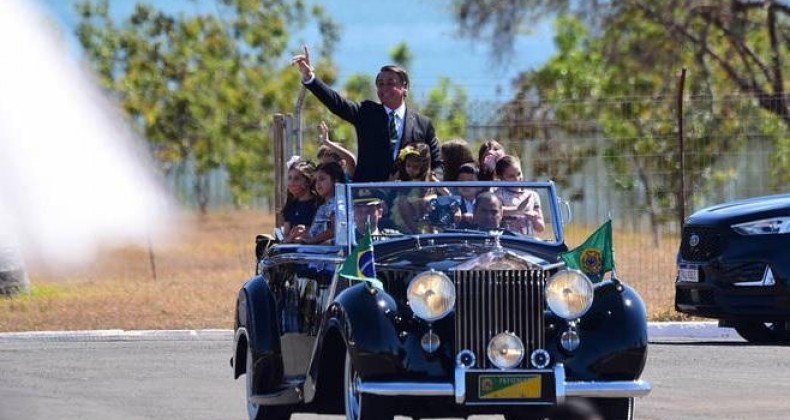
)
(393, 133)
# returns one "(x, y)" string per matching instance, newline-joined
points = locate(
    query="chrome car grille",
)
(489, 302)
(708, 244)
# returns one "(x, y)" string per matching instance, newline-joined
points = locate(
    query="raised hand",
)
(302, 61)
(323, 129)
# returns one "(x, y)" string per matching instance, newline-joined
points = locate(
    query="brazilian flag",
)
(361, 264)
(595, 257)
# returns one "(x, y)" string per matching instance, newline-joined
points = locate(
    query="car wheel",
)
(358, 405)
(759, 332)
(616, 408)
(257, 411)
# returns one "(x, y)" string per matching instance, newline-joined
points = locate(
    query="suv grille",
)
(710, 244)
(489, 302)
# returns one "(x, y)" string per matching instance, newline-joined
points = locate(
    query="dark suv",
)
(733, 265)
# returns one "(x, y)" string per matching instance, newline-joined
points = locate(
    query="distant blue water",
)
(371, 28)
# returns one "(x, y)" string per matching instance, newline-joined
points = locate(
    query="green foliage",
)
(402, 55)
(202, 89)
(631, 54)
(360, 87)
(446, 106)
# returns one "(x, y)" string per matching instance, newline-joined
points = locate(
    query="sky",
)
(367, 35)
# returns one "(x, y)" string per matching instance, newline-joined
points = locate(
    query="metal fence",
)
(621, 158)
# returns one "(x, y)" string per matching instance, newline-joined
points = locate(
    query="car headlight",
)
(505, 350)
(431, 295)
(569, 294)
(770, 226)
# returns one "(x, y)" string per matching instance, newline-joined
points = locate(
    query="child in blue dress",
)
(301, 204)
(322, 228)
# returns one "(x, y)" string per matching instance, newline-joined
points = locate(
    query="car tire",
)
(616, 408)
(359, 406)
(759, 332)
(257, 411)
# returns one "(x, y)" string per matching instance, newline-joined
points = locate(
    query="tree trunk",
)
(201, 192)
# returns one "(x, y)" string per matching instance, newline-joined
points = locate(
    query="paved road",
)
(165, 379)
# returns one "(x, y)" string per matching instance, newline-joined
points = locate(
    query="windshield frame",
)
(345, 225)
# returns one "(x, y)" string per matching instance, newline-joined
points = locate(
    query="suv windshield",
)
(526, 210)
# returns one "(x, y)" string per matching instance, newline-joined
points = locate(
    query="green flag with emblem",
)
(594, 257)
(361, 263)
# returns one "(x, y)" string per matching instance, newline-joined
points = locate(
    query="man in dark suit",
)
(382, 128)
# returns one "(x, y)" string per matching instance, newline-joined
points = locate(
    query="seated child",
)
(467, 172)
(520, 206)
(322, 228)
(301, 204)
(487, 156)
(409, 205)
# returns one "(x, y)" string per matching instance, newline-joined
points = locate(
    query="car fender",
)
(258, 328)
(613, 336)
(365, 317)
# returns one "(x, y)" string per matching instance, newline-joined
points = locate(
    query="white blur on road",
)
(73, 176)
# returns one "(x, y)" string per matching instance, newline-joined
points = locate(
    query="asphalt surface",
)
(166, 375)
(694, 330)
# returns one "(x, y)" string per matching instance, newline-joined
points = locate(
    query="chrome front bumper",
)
(607, 389)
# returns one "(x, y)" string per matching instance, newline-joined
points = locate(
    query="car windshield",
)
(525, 210)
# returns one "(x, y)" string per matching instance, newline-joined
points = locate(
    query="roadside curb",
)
(117, 335)
(654, 330)
(706, 329)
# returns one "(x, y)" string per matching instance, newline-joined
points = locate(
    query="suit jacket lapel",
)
(408, 127)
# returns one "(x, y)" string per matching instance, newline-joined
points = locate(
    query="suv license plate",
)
(688, 274)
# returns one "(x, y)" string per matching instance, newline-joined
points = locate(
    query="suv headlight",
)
(764, 226)
(569, 294)
(431, 295)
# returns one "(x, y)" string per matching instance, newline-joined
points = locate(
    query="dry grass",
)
(648, 268)
(199, 275)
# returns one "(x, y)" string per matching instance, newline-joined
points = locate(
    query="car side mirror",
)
(565, 211)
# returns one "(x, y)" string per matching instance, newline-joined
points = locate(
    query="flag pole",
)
(614, 278)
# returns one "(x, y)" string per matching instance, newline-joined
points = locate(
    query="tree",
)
(201, 88)
(630, 51)
(745, 40)
(447, 105)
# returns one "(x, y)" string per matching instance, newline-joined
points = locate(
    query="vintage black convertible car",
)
(461, 319)
(733, 266)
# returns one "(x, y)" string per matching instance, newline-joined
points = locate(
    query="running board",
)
(288, 393)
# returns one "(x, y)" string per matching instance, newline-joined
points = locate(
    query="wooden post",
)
(279, 136)
(682, 151)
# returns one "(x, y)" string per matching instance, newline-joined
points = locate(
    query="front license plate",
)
(509, 387)
(688, 274)
(527, 387)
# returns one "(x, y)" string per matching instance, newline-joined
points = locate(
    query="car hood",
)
(742, 210)
(444, 255)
